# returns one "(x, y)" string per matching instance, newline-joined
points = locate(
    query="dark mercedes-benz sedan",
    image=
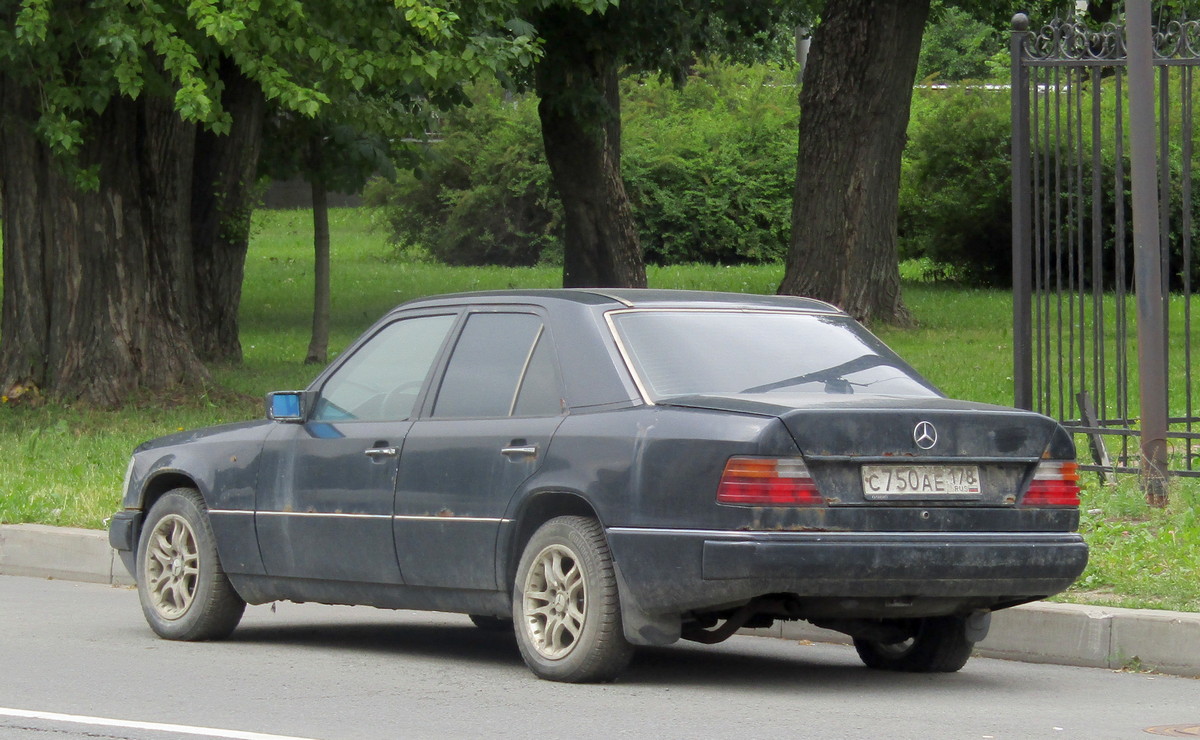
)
(602, 469)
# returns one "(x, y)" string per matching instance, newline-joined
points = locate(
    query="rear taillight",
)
(756, 481)
(1054, 484)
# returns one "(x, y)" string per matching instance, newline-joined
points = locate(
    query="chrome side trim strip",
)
(485, 519)
(326, 514)
(621, 350)
(341, 515)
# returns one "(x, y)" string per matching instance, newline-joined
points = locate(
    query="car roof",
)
(635, 298)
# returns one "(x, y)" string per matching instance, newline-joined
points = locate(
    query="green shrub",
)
(708, 168)
(955, 202)
(958, 46)
(955, 195)
(483, 194)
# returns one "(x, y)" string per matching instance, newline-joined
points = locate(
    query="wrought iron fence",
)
(1080, 352)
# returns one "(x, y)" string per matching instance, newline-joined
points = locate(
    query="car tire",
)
(184, 592)
(566, 610)
(488, 623)
(939, 645)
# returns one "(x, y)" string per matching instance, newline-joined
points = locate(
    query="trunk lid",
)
(886, 426)
(931, 439)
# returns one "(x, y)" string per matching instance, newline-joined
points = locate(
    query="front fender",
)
(222, 463)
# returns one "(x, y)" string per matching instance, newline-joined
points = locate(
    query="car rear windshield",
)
(678, 352)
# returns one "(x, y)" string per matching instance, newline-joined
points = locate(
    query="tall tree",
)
(89, 273)
(223, 189)
(318, 344)
(123, 172)
(587, 47)
(854, 108)
(580, 108)
(335, 157)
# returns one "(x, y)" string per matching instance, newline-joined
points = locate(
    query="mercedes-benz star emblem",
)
(925, 435)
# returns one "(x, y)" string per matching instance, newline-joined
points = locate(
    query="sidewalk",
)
(1066, 634)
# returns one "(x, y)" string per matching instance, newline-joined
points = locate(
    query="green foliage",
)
(483, 196)
(958, 46)
(709, 169)
(339, 156)
(955, 203)
(305, 56)
(955, 195)
(708, 166)
(667, 37)
(1140, 557)
(577, 85)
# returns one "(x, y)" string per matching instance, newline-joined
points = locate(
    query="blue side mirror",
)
(285, 406)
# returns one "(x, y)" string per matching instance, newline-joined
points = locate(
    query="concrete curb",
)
(1065, 634)
(66, 554)
(1070, 634)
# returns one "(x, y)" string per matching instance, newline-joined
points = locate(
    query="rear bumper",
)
(674, 571)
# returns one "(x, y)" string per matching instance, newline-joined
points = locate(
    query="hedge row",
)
(709, 169)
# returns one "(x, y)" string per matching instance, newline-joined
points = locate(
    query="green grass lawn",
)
(63, 465)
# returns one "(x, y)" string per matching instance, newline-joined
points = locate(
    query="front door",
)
(326, 491)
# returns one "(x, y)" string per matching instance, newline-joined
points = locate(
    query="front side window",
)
(678, 353)
(381, 380)
(502, 365)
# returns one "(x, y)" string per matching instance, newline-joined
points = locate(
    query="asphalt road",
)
(81, 658)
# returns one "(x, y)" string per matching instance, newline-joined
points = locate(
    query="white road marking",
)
(152, 726)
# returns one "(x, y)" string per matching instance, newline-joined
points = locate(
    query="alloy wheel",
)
(172, 566)
(555, 597)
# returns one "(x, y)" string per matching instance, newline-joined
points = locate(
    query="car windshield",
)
(678, 352)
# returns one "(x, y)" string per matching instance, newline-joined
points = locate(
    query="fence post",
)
(1147, 264)
(1022, 260)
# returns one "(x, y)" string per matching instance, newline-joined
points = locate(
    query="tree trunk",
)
(854, 108)
(318, 346)
(90, 311)
(580, 111)
(223, 179)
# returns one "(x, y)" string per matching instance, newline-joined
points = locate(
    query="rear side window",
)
(540, 393)
(502, 365)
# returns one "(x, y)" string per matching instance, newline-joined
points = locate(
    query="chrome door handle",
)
(375, 452)
(522, 451)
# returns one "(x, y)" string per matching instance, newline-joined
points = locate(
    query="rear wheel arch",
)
(534, 511)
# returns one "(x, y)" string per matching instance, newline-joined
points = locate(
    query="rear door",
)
(487, 430)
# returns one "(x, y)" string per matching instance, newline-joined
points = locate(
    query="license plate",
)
(921, 481)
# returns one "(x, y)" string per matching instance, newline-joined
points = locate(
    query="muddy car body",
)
(612, 468)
